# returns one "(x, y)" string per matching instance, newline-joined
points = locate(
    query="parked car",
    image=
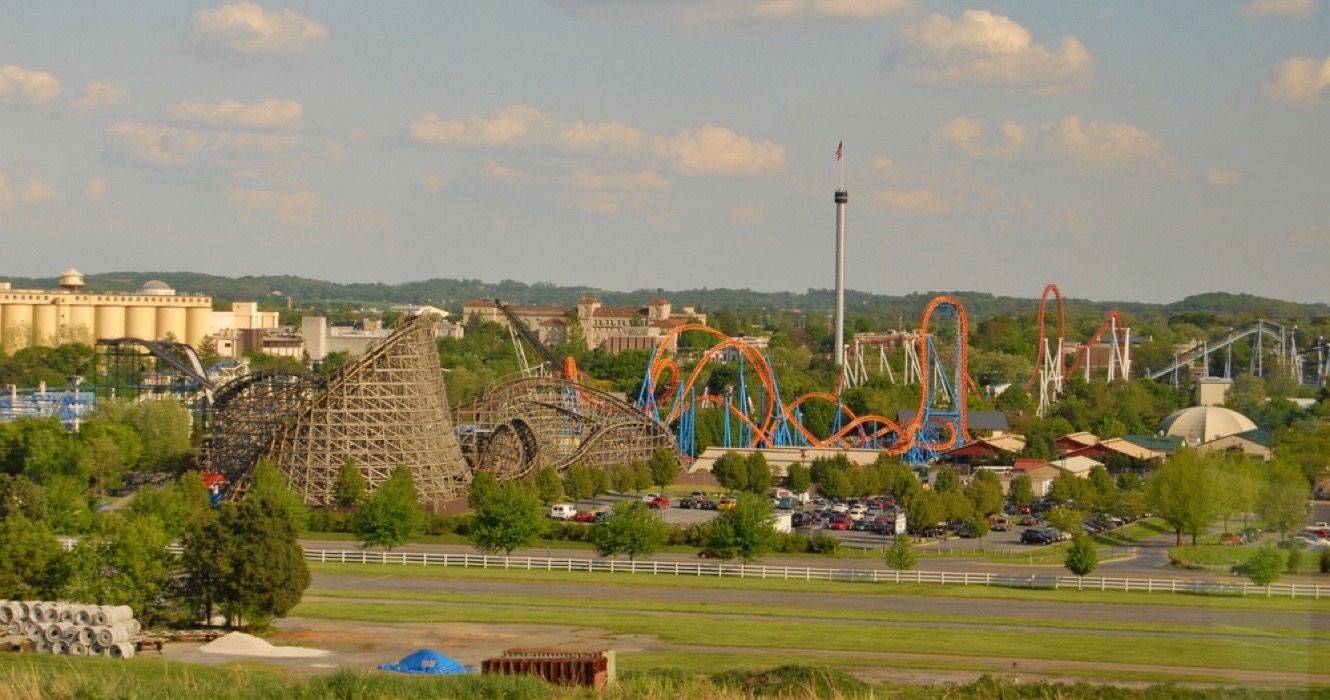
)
(659, 502)
(708, 554)
(647, 498)
(997, 523)
(727, 503)
(1030, 521)
(563, 511)
(1230, 538)
(839, 508)
(584, 516)
(1040, 535)
(840, 521)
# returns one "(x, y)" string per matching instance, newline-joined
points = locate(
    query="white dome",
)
(156, 287)
(71, 279)
(1200, 424)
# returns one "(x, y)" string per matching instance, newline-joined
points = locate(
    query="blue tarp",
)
(426, 661)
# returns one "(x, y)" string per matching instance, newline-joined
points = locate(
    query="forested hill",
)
(452, 292)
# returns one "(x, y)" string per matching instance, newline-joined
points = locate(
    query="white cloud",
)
(97, 95)
(705, 150)
(751, 215)
(1299, 80)
(1222, 177)
(140, 144)
(716, 150)
(502, 173)
(269, 113)
(645, 181)
(1300, 9)
(601, 136)
(96, 189)
(855, 9)
(1102, 144)
(981, 48)
(968, 136)
(915, 202)
(38, 192)
(432, 183)
(245, 27)
(19, 85)
(509, 124)
(302, 209)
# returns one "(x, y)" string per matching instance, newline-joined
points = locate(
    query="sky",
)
(1136, 151)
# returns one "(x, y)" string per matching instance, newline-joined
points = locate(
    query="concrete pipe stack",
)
(72, 628)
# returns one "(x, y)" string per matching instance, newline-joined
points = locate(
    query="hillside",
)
(452, 292)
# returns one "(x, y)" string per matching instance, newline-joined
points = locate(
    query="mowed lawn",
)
(775, 631)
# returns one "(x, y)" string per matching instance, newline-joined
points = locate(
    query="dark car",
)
(1038, 536)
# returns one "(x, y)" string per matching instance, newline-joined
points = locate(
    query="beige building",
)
(614, 328)
(32, 317)
(244, 315)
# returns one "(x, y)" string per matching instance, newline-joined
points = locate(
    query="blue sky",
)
(1128, 151)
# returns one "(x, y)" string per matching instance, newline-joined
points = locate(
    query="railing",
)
(800, 573)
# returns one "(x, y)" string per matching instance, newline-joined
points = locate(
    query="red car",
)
(659, 502)
(584, 516)
(840, 522)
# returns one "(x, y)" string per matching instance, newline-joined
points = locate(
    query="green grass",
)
(812, 612)
(1213, 554)
(886, 589)
(1133, 533)
(1273, 654)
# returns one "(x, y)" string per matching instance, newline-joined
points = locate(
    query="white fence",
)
(800, 573)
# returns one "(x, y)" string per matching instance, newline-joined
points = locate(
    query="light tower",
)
(841, 198)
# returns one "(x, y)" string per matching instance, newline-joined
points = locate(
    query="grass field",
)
(734, 583)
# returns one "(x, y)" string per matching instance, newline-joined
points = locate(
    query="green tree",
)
(268, 484)
(900, 556)
(265, 564)
(29, 556)
(759, 473)
(621, 478)
(1264, 567)
(946, 480)
(1100, 489)
(349, 489)
(1067, 488)
(1021, 490)
(19, 495)
(1283, 500)
(985, 493)
(835, 483)
(163, 428)
(174, 505)
(641, 476)
(508, 519)
(1240, 487)
(548, 485)
(123, 561)
(1081, 556)
(1066, 520)
(632, 529)
(391, 515)
(664, 467)
(483, 484)
(744, 531)
(731, 471)
(1183, 492)
(925, 510)
(579, 483)
(205, 564)
(798, 479)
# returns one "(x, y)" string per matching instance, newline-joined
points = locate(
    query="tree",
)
(264, 563)
(745, 531)
(205, 566)
(641, 476)
(268, 484)
(1183, 492)
(29, 553)
(632, 529)
(123, 561)
(759, 473)
(925, 510)
(1283, 501)
(164, 429)
(835, 483)
(985, 493)
(391, 515)
(1101, 490)
(1081, 556)
(1066, 488)
(483, 485)
(349, 489)
(664, 467)
(548, 485)
(1265, 566)
(798, 479)
(1021, 490)
(731, 471)
(507, 519)
(900, 556)
(579, 483)
(1066, 520)
(621, 478)
(946, 480)
(174, 505)
(20, 496)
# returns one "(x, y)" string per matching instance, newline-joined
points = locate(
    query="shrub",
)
(792, 542)
(1294, 560)
(822, 543)
(793, 682)
(444, 524)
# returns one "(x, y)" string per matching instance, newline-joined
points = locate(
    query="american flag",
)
(840, 150)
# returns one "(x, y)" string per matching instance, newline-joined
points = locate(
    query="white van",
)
(562, 511)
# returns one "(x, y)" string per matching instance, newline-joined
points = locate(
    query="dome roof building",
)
(156, 288)
(71, 280)
(1200, 424)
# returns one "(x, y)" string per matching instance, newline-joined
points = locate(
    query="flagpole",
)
(840, 160)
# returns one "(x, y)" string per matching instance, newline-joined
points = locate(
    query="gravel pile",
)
(241, 644)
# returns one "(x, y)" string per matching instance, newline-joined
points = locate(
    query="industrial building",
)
(34, 317)
(614, 328)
